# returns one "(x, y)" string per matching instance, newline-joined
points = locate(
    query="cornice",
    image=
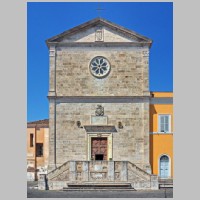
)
(100, 44)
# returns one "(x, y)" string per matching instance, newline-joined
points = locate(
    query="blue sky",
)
(44, 20)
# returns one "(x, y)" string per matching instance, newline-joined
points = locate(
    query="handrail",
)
(138, 171)
(139, 168)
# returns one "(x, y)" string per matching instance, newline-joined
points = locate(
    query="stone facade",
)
(128, 75)
(74, 94)
(128, 143)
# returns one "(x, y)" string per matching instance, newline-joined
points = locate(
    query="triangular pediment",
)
(99, 30)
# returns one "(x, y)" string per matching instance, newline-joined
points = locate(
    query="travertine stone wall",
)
(70, 77)
(128, 75)
(129, 143)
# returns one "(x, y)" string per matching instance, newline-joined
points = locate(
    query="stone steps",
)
(98, 186)
(165, 183)
(98, 189)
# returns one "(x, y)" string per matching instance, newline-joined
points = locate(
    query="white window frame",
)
(169, 131)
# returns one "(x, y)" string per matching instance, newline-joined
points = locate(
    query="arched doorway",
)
(164, 167)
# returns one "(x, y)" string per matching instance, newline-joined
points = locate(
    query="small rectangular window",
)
(39, 149)
(31, 140)
(164, 123)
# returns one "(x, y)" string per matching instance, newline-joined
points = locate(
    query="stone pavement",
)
(34, 193)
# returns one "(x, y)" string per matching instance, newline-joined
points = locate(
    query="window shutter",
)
(167, 123)
(164, 123)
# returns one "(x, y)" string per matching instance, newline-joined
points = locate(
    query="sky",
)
(45, 20)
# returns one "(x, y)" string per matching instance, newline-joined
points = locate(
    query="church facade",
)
(99, 105)
(160, 141)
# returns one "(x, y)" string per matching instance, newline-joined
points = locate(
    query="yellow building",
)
(161, 134)
(37, 148)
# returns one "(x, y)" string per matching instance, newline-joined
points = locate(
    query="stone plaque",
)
(98, 175)
(99, 34)
(79, 168)
(99, 120)
(98, 167)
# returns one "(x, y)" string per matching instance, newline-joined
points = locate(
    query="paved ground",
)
(34, 193)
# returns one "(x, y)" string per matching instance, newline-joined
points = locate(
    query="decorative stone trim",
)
(102, 99)
(101, 44)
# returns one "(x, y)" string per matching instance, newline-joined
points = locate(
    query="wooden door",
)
(99, 148)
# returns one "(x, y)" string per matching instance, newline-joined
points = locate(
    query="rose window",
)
(99, 67)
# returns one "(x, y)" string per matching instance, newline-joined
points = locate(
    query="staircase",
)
(98, 175)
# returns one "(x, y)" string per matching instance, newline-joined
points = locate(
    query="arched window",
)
(164, 167)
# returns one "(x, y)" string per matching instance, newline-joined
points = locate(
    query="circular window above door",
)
(99, 67)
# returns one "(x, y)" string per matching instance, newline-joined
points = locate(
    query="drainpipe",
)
(35, 163)
(55, 109)
(55, 132)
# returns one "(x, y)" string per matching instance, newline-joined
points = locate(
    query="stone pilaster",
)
(52, 71)
(146, 111)
(111, 171)
(52, 108)
(52, 136)
(72, 171)
(85, 166)
(124, 171)
(146, 72)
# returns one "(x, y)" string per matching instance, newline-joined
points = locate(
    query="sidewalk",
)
(34, 193)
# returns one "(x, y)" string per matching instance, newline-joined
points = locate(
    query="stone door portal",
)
(99, 148)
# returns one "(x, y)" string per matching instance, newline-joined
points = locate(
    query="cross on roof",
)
(99, 9)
